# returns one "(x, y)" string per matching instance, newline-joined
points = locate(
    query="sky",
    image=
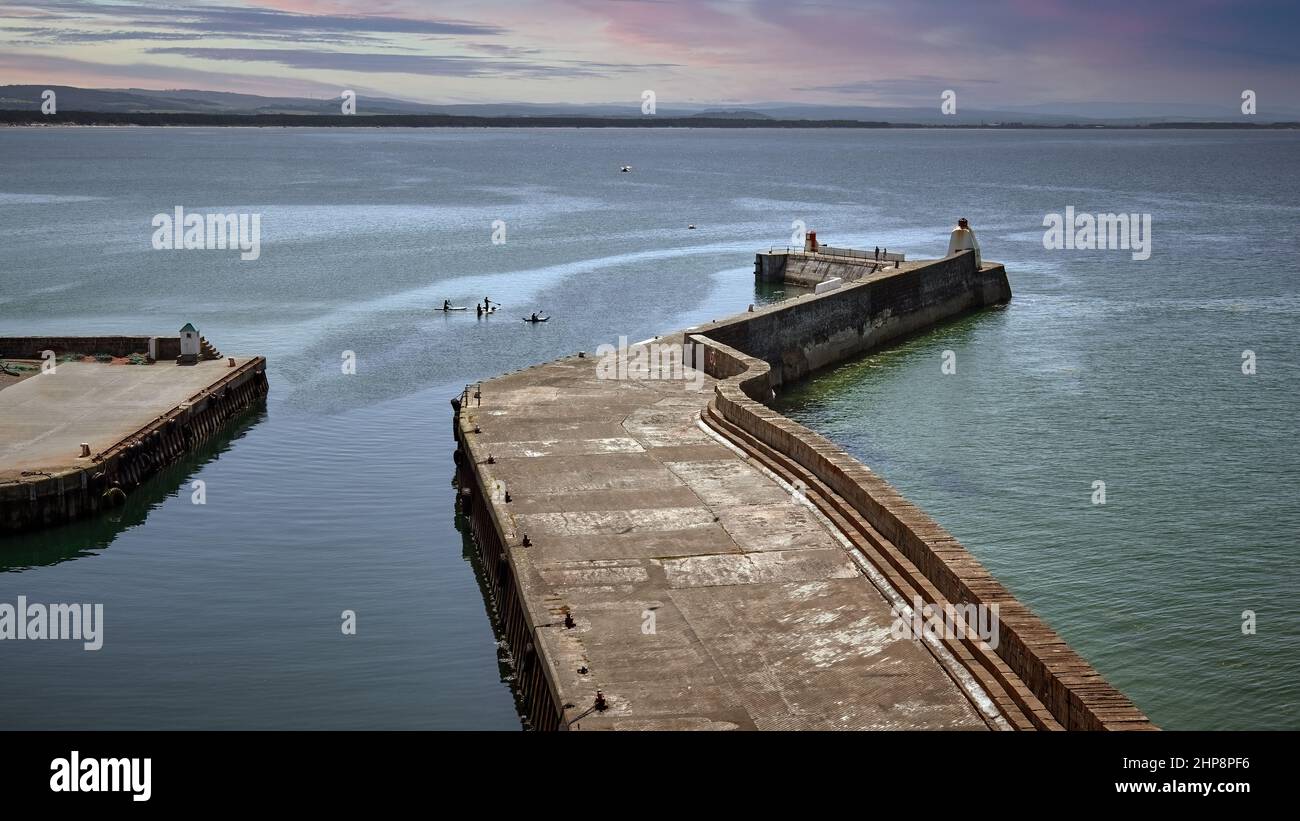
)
(716, 52)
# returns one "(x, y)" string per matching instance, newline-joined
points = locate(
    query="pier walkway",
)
(134, 419)
(46, 417)
(704, 593)
(663, 551)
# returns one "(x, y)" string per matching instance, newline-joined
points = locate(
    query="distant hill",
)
(738, 114)
(140, 100)
(189, 101)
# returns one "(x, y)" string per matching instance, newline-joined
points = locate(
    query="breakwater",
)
(41, 487)
(768, 562)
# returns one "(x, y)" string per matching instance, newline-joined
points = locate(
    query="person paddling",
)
(446, 304)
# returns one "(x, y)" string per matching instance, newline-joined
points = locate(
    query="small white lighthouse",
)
(190, 346)
(963, 239)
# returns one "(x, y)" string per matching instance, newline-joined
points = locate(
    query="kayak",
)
(454, 309)
(543, 319)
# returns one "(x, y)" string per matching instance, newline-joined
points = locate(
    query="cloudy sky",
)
(994, 52)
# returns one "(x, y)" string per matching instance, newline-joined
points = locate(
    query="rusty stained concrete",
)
(762, 618)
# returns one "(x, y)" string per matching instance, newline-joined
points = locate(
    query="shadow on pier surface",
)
(86, 537)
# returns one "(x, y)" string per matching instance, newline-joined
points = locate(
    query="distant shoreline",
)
(31, 118)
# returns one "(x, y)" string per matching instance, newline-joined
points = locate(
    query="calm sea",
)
(338, 496)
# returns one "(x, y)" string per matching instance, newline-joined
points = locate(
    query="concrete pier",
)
(669, 553)
(703, 593)
(135, 418)
(806, 267)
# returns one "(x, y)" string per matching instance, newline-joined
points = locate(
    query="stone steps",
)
(1014, 700)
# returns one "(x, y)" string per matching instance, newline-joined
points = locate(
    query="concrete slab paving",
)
(45, 418)
(704, 595)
